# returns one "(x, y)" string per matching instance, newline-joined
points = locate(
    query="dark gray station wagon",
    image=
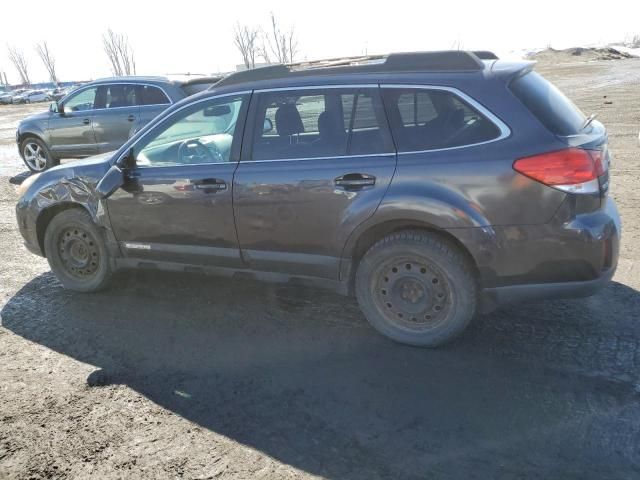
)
(431, 185)
(97, 117)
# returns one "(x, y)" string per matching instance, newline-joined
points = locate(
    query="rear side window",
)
(548, 104)
(152, 96)
(319, 123)
(431, 119)
(116, 96)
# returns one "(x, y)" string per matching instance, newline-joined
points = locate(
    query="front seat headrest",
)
(288, 121)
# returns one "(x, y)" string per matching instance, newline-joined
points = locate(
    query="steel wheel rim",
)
(34, 155)
(79, 252)
(412, 294)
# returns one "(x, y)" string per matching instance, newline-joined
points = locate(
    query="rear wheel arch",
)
(366, 239)
(46, 215)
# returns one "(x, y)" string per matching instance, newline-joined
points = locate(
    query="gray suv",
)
(431, 185)
(97, 117)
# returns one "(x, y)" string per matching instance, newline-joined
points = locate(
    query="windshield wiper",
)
(588, 121)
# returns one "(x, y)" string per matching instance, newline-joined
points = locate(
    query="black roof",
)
(438, 61)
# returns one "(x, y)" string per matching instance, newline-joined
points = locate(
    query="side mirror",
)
(112, 180)
(128, 161)
(267, 126)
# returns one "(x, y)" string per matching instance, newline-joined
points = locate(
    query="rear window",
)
(548, 104)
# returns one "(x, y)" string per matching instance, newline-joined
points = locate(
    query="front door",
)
(317, 164)
(71, 130)
(116, 116)
(176, 204)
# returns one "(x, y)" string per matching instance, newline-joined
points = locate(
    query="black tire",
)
(36, 162)
(76, 251)
(430, 282)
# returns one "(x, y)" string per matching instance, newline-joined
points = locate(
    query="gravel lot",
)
(176, 376)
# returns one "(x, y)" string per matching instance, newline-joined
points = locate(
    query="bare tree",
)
(282, 45)
(17, 58)
(48, 60)
(119, 52)
(246, 40)
(263, 50)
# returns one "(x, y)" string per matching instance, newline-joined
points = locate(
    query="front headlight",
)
(24, 186)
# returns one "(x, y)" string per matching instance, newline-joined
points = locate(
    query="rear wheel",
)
(416, 288)
(36, 155)
(76, 252)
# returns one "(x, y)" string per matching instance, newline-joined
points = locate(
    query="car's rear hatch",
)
(583, 166)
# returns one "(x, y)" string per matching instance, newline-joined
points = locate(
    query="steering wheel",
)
(194, 151)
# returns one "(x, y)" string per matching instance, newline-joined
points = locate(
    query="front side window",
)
(200, 133)
(82, 101)
(298, 124)
(431, 119)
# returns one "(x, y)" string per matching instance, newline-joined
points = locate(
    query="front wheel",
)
(416, 288)
(76, 251)
(36, 155)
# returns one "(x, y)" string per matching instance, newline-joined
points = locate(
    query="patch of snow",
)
(630, 50)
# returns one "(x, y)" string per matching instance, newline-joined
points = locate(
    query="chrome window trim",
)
(182, 165)
(318, 87)
(504, 129)
(97, 85)
(154, 123)
(304, 159)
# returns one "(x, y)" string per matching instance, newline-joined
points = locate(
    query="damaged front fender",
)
(69, 186)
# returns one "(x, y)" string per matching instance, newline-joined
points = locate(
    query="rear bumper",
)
(574, 255)
(495, 297)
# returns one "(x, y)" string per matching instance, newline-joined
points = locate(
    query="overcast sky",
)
(193, 36)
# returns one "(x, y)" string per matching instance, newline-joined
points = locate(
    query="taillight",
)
(572, 170)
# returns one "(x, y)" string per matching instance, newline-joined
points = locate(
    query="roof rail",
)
(442, 61)
(485, 55)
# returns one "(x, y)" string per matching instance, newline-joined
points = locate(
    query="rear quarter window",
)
(432, 119)
(548, 104)
(153, 96)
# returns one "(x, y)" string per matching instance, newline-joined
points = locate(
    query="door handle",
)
(210, 185)
(355, 180)
(86, 121)
(131, 118)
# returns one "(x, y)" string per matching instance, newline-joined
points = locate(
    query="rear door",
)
(116, 116)
(315, 164)
(71, 130)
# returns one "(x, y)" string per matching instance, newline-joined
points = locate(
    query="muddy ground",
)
(175, 376)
